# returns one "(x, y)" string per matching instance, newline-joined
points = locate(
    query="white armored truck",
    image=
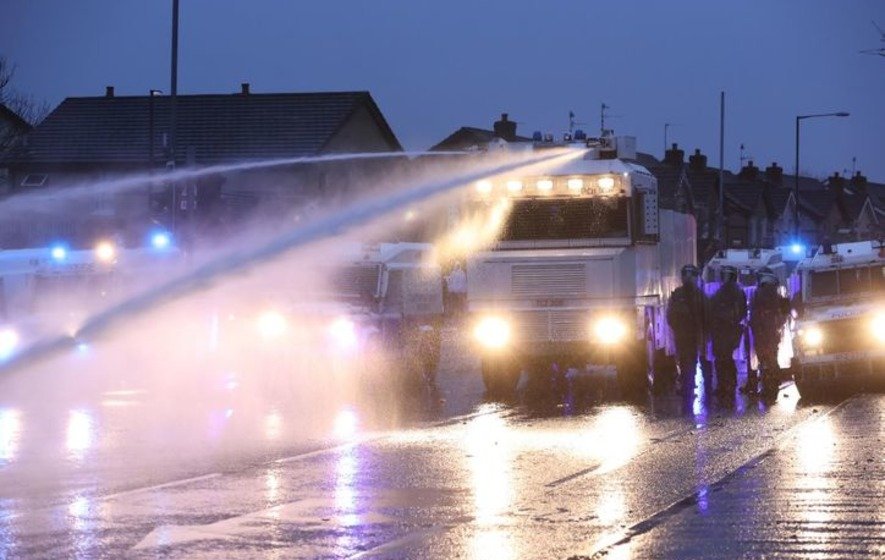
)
(841, 327)
(580, 269)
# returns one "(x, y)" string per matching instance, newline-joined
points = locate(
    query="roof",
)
(817, 203)
(743, 194)
(469, 137)
(213, 127)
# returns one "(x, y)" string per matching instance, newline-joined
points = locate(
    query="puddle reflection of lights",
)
(346, 424)
(10, 433)
(619, 435)
(490, 463)
(80, 432)
(492, 543)
(345, 486)
(612, 507)
(815, 446)
(703, 498)
(272, 486)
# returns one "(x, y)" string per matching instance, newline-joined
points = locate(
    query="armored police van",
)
(841, 327)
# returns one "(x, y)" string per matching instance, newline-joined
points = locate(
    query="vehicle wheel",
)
(809, 389)
(634, 369)
(499, 377)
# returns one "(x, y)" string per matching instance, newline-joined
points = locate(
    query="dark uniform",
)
(768, 314)
(686, 315)
(726, 313)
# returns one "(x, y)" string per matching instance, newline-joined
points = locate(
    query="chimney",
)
(698, 161)
(674, 155)
(109, 91)
(505, 129)
(749, 172)
(244, 88)
(775, 173)
(836, 183)
(858, 183)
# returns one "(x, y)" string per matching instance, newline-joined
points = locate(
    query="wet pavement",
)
(447, 476)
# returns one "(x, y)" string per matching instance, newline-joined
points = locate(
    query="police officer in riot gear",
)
(686, 315)
(768, 314)
(727, 311)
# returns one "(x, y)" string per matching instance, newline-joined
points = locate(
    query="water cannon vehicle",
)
(841, 325)
(372, 312)
(579, 269)
(46, 291)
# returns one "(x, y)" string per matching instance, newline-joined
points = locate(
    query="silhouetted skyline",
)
(433, 68)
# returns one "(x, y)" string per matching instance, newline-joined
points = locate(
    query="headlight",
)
(8, 342)
(105, 251)
(343, 332)
(484, 187)
(492, 332)
(812, 336)
(610, 330)
(545, 185)
(271, 324)
(576, 185)
(514, 186)
(877, 325)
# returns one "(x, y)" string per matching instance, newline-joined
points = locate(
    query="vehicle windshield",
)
(847, 281)
(538, 219)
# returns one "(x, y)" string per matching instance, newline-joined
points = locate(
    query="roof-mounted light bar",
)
(571, 185)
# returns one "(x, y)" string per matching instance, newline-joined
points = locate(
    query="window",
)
(824, 284)
(35, 180)
(567, 218)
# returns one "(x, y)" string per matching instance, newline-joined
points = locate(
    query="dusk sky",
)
(433, 67)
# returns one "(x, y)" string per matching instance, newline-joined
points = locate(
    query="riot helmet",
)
(766, 276)
(728, 273)
(690, 274)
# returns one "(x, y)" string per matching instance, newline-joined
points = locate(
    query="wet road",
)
(127, 474)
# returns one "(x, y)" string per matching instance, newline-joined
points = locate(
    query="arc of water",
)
(121, 185)
(218, 268)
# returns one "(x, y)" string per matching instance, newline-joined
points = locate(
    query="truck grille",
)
(846, 335)
(544, 326)
(548, 280)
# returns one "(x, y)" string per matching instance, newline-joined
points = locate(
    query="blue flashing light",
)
(161, 240)
(59, 253)
(797, 248)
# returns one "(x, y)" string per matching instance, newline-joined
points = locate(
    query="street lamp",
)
(800, 118)
(151, 93)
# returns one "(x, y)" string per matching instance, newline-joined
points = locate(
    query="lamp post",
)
(799, 119)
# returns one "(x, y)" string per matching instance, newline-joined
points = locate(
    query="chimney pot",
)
(674, 155)
(505, 128)
(109, 91)
(244, 88)
(698, 161)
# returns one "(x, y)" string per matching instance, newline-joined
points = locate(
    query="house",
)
(93, 140)
(12, 129)
(471, 138)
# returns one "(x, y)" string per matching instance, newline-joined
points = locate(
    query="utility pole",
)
(721, 224)
(602, 119)
(173, 99)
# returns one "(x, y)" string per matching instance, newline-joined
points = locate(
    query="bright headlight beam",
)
(813, 336)
(878, 327)
(271, 324)
(105, 251)
(8, 342)
(484, 186)
(610, 330)
(492, 332)
(575, 184)
(343, 332)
